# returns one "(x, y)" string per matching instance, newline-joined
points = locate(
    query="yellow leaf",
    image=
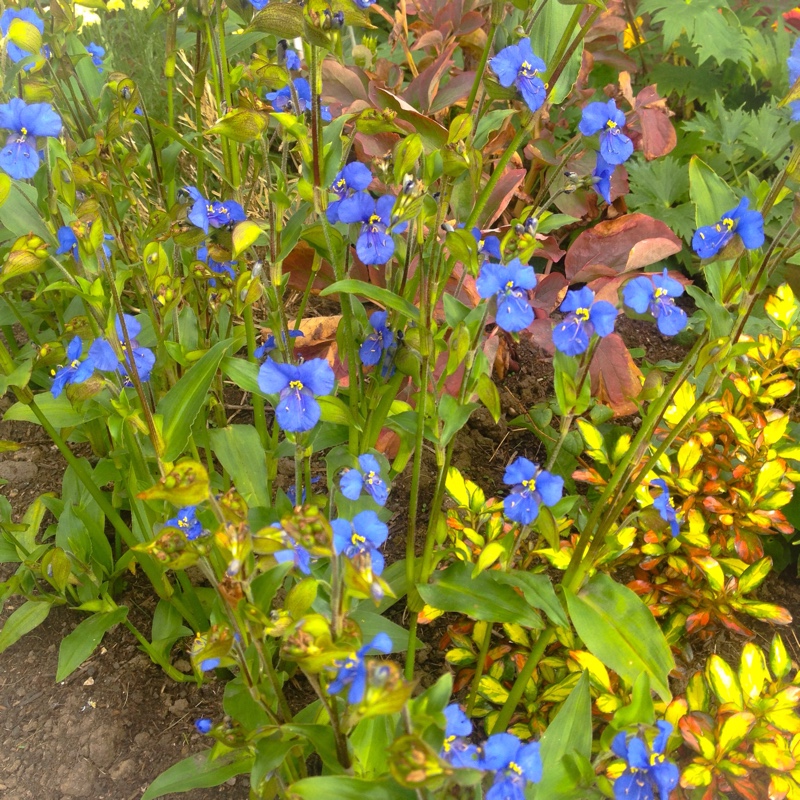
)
(782, 306)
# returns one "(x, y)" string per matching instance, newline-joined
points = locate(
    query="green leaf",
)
(569, 733)
(710, 194)
(58, 410)
(484, 597)
(343, 787)
(546, 36)
(80, 644)
(243, 373)
(182, 403)
(538, 591)
(22, 621)
(19, 213)
(372, 624)
(199, 772)
(238, 447)
(284, 20)
(383, 297)
(619, 629)
(723, 682)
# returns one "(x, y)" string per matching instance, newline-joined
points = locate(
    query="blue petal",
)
(664, 728)
(39, 119)
(666, 776)
(672, 287)
(103, 356)
(332, 211)
(384, 207)
(575, 299)
(132, 325)
(571, 337)
(60, 381)
(145, 360)
(491, 246)
(74, 349)
(374, 248)
(19, 159)
(594, 118)
(378, 490)
(458, 723)
(342, 531)
(317, 375)
(615, 146)
(66, 240)
(488, 282)
(633, 786)
(751, 228)
(369, 525)
(273, 377)
(498, 751)
(708, 240)
(619, 745)
(198, 215)
(357, 175)
(358, 685)
(521, 506)
(638, 294)
(357, 208)
(378, 320)
(671, 320)
(370, 351)
(603, 315)
(532, 91)
(638, 756)
(297, 410)
(381, 643)
(530, 761)
(521, 274)
(527, 54)
(506, 64)
(549, 487)
(513, 313)
(351, 483)
(518, 471)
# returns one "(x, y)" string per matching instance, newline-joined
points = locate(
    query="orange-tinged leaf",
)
(774, 754)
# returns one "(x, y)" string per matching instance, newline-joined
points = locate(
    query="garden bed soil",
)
(119, 721)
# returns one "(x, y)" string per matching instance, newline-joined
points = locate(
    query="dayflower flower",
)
(531, 487)
(14, 51)
(607, 120)
(374, 244)
(291, 492)
(367, 477)
(259, 4)
(296, 553)
(353, 178)
(220, 267)
(68, 243)
(203, 725)
(20, 158)
(352, 671)
(282, 99)
(518, 65)
(297, 386)
(292, 59)
(647, 772)
(208, 664)
(205, 213)
(602, 178)
(186, 520)
(663, 504)
(749, 225)
(509, 284)
(381, 339)
(75, 371)
(793, 64)
(456, 750)
(515, 765)
(106, 359)
(364, 3)
(97, 52)
(365, 534)
(584, 318)
(487, 245)
(656, 294)
(269, 344)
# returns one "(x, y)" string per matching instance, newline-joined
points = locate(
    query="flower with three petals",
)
(105, 357)
(517, 65)
(75, 370)
(381, 338)
(531, 487)
(456, 750)
(647, 773)
(663, 504)
(748, 225)
(514, 763)
(97, 53)
(269, 344)
(602, 178)
(584, 318)
(353, 178)
(365, 534)
(205, 213)
(186, 520)
(607, 120)
(374, 244)
(20, 157)
(282, 99)
(656, 294)
(509, 285)
(487, 245)
(297, 387)
(366, 477)
(352, 671)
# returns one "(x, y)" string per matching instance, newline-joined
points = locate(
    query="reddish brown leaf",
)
(342, 85)
(549, 292)
(616, 379)
(421, 91)
(652, 123)
(620, 245)
(501, 196)
(429, 39)
(453, 92)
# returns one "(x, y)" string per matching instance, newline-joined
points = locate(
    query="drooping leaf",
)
(199, 772)
(80, 644)
(23, 620)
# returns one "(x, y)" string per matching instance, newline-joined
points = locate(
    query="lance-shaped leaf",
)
(241, 125)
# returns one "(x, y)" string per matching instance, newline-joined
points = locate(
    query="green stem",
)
(259, 407)
(473, 692)
(481, 68)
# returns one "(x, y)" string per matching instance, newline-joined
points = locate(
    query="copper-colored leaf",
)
(549, 292)
(620, 245)
(658, 135)
(616, 379)
(501, 196)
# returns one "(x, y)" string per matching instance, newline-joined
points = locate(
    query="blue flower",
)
(186, 520)
(269, 344)
(365, 534)
(220, 267)
(487, 245)
(663, 504)
(67, 242)
(375, 244)
(205, 213)
(292, 59)
(584, 318)
(353, 178)
(203, 725)
(530, 488)
(607, 120)
(208, 664)
(456, 749)
(259, 4)
(602, 178)
(76, 371)
(364, 3)
(517, 65)
(657, 296)
(106, 359)
(291, 492)
(294, 552)
(97, 54)
(509, 284)
(647, 772)
(793, 64)
(352, 671)
(381, 339)
(515, 765)
(368, 477)
(297, 386)
(282, 99)
(20, 158)
(14, 51)
(749, 225)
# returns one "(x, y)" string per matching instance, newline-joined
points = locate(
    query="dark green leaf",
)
(80, 644)
(22, 621)
(382, 297)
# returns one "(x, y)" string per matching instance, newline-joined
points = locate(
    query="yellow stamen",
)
(23, 131)
(659, 293)
(582, 314)
(356, 539)
(374, 218)
(514, 767)
(447, 742)
(296, 385)
(509, 286)
(611, 124)
(530, 485)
